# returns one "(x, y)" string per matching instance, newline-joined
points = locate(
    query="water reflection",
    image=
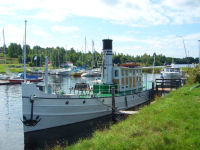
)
(65, 135)
(10, 112)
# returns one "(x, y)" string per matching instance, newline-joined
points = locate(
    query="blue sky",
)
(136, 27)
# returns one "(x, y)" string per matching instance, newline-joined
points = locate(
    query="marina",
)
(51, 107)
(99, 75)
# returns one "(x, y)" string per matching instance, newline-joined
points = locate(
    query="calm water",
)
(11, 127)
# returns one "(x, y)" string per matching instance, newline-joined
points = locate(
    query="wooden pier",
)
(167, 85)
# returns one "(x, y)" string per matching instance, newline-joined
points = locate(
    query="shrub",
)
(194, 75)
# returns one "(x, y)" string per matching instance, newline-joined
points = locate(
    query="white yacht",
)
(171, 72)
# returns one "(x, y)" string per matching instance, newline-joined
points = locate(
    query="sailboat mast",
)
(154, 60)
(58, 59)
(4, 46)
(40, 57)
(199, 52)
(82, 57)
(25, 54)
(85, 51)
(92, 53)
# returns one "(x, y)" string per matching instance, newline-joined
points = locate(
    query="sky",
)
(135, 26)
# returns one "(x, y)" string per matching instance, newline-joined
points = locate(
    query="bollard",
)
(152, 91)
(152, 85)
(113, 104)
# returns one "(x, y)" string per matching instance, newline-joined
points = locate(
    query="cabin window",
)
(133, 72)
(126, 72)
(116, 73)
(172, 70)
(130, 73)
(177, 70)
(122, 72)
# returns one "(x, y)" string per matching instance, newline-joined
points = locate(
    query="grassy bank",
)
(17, 68)
(172, 122)
(11, 68)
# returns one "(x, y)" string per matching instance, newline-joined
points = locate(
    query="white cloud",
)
(64, 29)
(53, 16)
(40, 33)
(182, 11)
(132, 12)
(126, 11)
(169, 45)
(13, 34)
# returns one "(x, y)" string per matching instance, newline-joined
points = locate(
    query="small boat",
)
(91, 73)
(64, 71)
(20, 78)
(77, 73)
(171, 72)
(45, 109)
(4, 77)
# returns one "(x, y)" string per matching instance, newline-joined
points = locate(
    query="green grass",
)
(150, 70)
(172, 122)
(11, 68)
(17, 68)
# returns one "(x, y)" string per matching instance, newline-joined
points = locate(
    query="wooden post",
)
(152, 91)
(152, 85)
(156, 87)
(113, 104)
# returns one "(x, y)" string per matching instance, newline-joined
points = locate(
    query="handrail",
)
(196, 86)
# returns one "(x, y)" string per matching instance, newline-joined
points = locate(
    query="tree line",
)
(58, 55)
